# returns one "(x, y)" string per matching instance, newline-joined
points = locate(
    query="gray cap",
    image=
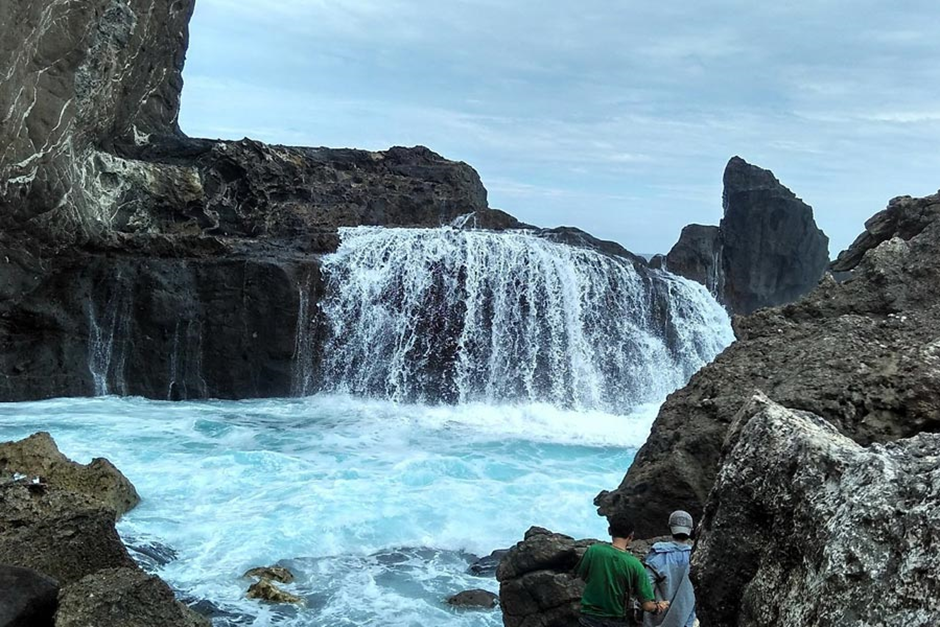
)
(680, 522)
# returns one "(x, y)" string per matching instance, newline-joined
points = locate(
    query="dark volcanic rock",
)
(120, 597)
(767, 250)
(821, 532)
(474, 599)
(697, 256)
(38, 456)
(27, 598)
(487, 565)
(863, 354)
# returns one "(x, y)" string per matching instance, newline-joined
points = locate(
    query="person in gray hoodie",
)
(667, 565)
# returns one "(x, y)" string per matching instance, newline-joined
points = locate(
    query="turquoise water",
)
(378, 507)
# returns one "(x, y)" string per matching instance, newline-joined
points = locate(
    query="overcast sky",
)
(617, 116)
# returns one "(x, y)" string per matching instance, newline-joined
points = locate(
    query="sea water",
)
(379, 508)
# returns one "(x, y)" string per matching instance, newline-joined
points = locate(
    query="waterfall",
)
(302, 369)
(106, 329)
(186, 362)
(462, 316)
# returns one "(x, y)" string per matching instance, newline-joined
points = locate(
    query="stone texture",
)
(123, 597)
(38, 456)
(476, 598)
(271, 573)
(62, 534)
(821, 531)
(264, 590)
(767, 250)
(27, 598)
(863, 354)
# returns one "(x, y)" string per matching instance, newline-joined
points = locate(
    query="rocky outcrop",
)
(38, 456)
(862, 354)
(264, 590)
(767, 250)
(123, 596)
(60, 524)
(271, 573)
(62, 534)
(821, 531)
(27, 598)
(476, 598)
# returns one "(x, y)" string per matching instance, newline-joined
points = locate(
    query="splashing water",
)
(476, 316)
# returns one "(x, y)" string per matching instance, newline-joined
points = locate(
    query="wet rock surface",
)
(38, 456)
(478, 599)
(767, 250)
(271, 573)
(27, 597)
(862, 354)
(60, 525)
(264, 590)
(120, 597)
(821, 531)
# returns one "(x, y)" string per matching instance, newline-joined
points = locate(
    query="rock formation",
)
(35, 599)
(862, 354)
(821, 532)
(62, 527)
(767, 250)
(476, 598)
(135, 260)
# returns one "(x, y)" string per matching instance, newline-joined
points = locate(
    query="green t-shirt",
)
(612, 576)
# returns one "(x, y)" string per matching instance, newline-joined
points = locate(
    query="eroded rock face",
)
(864, 354)
(62, 534)
(38, 456)
(123, 596)
(821, 531)
(767, 250)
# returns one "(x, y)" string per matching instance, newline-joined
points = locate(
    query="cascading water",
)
(304, 348)
(476, 316)
(104, 330)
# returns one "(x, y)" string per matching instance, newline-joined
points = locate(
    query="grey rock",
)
(476, 598)
(820, 531)
(862, 354)
(488, 564)
(767, 250)
(120, 597)
(38, 456)
(27, 598)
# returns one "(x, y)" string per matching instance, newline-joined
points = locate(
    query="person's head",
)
(680, 524)
(620, 526)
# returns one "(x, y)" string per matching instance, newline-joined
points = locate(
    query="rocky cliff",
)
(821, 531)
(767, 250)
(862, 354)
(136, 260)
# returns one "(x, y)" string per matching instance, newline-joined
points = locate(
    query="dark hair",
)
(681, 537)
(620, 526)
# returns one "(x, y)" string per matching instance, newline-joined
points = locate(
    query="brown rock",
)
(271, 573)
(264, 590)
(62, 534)
(123, 597)
(38, 456)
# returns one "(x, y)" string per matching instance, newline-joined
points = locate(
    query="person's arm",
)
(584, 565)
(647, 600)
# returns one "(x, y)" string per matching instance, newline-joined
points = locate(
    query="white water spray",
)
(104, 330)
(476, 316)
(304, 348)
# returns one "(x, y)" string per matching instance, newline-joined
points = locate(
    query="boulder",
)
(27, 598)
(64, 535)
(38, 456)
(767, 251)
(121, 597)
(264, 590)
(476, 598)
(537, 586)
(806, 527)
(271, 573)
(487, 565)
(863, 354)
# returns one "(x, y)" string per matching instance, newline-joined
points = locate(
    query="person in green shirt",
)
(613, 579)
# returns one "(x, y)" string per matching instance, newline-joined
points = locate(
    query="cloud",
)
(617, 117)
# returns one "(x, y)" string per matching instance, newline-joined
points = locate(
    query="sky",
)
(617, 117)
